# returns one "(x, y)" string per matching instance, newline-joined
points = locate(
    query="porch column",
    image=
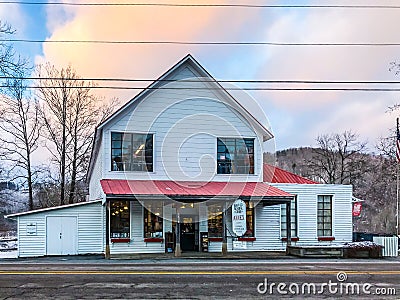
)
(178, 250)
(224, 238)
(107, 250)
(288, 225)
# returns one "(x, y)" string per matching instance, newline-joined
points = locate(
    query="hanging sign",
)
(31, 229)
(239, 217)
(357, 206)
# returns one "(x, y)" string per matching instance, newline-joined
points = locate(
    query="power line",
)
(222, 5)
(216, 88)
(257, 81)
(208, 43)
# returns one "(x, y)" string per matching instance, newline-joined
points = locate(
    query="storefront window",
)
(215, 221)
(153, 222)
(249, 219)
(119, 219)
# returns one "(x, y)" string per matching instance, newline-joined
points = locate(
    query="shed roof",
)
(51, 208)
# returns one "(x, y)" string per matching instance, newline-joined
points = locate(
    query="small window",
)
(235, 156)
(131, 152)
(119, 219)
(249, 219)
(215, 215)
(324, 216)
(293, 219)
(153, 221)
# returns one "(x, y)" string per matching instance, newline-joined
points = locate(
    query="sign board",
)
(357, 206)
(239, 245)
(31, 229)
(239, 226)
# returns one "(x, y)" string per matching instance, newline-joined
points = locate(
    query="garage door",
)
(62, 235)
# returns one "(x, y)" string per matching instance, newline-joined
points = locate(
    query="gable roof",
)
(189, 60)
(274, 174)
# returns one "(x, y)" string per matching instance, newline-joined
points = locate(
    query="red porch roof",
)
(276, 175)
(172, 188)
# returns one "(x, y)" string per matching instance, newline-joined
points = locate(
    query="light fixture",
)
(139, 149)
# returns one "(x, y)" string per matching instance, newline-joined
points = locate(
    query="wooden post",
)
(178, 250)
(224, 238)
(107, 250)
(288, 226)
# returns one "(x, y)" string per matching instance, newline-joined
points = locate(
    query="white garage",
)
(64, 230)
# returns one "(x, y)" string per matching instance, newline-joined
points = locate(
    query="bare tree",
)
(337, 159)
(69, 112)
(18, 116)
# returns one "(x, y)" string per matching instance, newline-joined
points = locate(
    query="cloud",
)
(13, 15)
(139, 23)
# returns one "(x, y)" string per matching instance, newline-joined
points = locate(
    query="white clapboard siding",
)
(90, 229)
(307, 195)
(137, 244)
(95, 190)
(185, 124)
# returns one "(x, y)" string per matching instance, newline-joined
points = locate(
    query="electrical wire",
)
(209, 43)
(222, 5)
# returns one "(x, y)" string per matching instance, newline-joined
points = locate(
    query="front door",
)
(61, 237)
(188, 235)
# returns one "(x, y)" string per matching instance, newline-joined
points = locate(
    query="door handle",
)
(60, 235)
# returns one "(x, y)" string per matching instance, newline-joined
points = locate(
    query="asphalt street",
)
(58, 278)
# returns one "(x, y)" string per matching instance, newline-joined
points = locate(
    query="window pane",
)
(235, 156)
(131, 152)
(153, 221)
(119, 219)
(215, 216)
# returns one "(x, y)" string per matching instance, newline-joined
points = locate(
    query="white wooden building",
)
(164, 172)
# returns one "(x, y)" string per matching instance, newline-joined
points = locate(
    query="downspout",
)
(288, 226)
(107, 250)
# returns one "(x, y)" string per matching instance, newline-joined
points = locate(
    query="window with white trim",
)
(293, 219)
(324, 215)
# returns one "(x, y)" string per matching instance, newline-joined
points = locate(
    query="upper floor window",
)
(131, 152)
(235, 156)
(324, 215)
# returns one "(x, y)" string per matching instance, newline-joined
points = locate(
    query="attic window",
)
(131, 152)
(235, 156)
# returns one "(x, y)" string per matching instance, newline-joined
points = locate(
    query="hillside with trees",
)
(342, 159)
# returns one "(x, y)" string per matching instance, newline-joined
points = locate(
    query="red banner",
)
(357, 206)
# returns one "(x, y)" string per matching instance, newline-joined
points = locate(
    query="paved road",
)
(199, 279)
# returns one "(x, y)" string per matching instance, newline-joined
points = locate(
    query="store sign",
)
(239, 245)
(357, 206)
(31, 229)
(239, 217)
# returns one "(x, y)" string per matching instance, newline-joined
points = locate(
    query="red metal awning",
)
(120, 187)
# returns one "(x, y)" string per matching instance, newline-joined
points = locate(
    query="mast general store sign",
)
(239, 217)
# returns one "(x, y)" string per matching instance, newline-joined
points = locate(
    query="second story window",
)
(131, 152)
(235, 156)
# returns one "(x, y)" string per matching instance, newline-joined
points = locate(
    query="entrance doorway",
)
(189, 234)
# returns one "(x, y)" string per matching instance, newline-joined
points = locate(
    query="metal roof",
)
(120, 187)
(273, 174)
(51, 208)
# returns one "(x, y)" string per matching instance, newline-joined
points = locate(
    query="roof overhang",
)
(12, 216)
(189, 191)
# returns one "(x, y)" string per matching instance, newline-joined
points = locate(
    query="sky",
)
(296, 117)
